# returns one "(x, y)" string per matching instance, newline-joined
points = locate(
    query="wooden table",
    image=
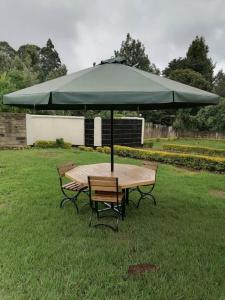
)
(128, 175)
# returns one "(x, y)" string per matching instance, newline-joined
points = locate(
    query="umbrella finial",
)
(114, 60)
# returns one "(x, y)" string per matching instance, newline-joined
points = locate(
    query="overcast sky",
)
(87, 31)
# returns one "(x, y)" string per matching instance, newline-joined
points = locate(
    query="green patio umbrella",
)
(108, 86)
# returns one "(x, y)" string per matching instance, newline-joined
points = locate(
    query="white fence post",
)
(97, 132)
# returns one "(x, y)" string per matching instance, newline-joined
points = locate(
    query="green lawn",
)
(50, 253)
(218, 144)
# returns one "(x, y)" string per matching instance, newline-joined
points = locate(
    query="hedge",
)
(58, 143)
(194, 149)
(85, 148)
(216, 164)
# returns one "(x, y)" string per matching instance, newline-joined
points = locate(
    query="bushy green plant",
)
(148, 144)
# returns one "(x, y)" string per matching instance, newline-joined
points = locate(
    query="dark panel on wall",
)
(127, 132)
(89, 132)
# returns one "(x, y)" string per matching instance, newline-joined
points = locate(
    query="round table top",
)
(128, 175)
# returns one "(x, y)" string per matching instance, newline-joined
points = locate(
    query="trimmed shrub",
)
(59, 143)
(198, 162)
(148, 144)
(104, 149)
(85, 148)
(188, 160)
(194, 149)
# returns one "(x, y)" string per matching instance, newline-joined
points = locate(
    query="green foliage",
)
(194, 149)
(30, 56)
(27, 66)
(50, 62)
(164, 117)
(7, 49)
(185, 119)
(59, 143)
(195, 69)
(190, 77)
(198, 60)
(212, 117)
(148, 143)
(219, 83)
(134, 53)
(175, 64)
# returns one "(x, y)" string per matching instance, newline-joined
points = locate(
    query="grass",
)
(50, 253)
(218, 144)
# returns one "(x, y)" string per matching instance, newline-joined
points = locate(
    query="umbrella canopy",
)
(110, 86)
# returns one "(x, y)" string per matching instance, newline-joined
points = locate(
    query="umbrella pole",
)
(112, 149)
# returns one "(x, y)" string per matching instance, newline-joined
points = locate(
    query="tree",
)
(61, 71)
(195, 69)
(7, 54)
(134, 53)
(50, 61)
(7, 49)
(180, 63)
(30, 56)
(190, 77)
(212, 117)
(198, 60)
(5, 62)
(27, 66)
(185, 118)
(219, 83)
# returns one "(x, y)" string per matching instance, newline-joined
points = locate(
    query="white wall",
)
(50, 128)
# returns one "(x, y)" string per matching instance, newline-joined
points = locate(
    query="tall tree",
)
(7, 49)
(7, 54)
(198, 60)
(195, 69)
(134, 53)
(27, 66)
(30, 56)
(50, 61)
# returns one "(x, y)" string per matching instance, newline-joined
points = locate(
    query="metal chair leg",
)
(146, 195)
(63, 201)
(119, 214)
(71, 199)
(75, 204)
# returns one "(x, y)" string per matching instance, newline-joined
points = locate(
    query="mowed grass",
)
(218, 144)
(50, 253)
